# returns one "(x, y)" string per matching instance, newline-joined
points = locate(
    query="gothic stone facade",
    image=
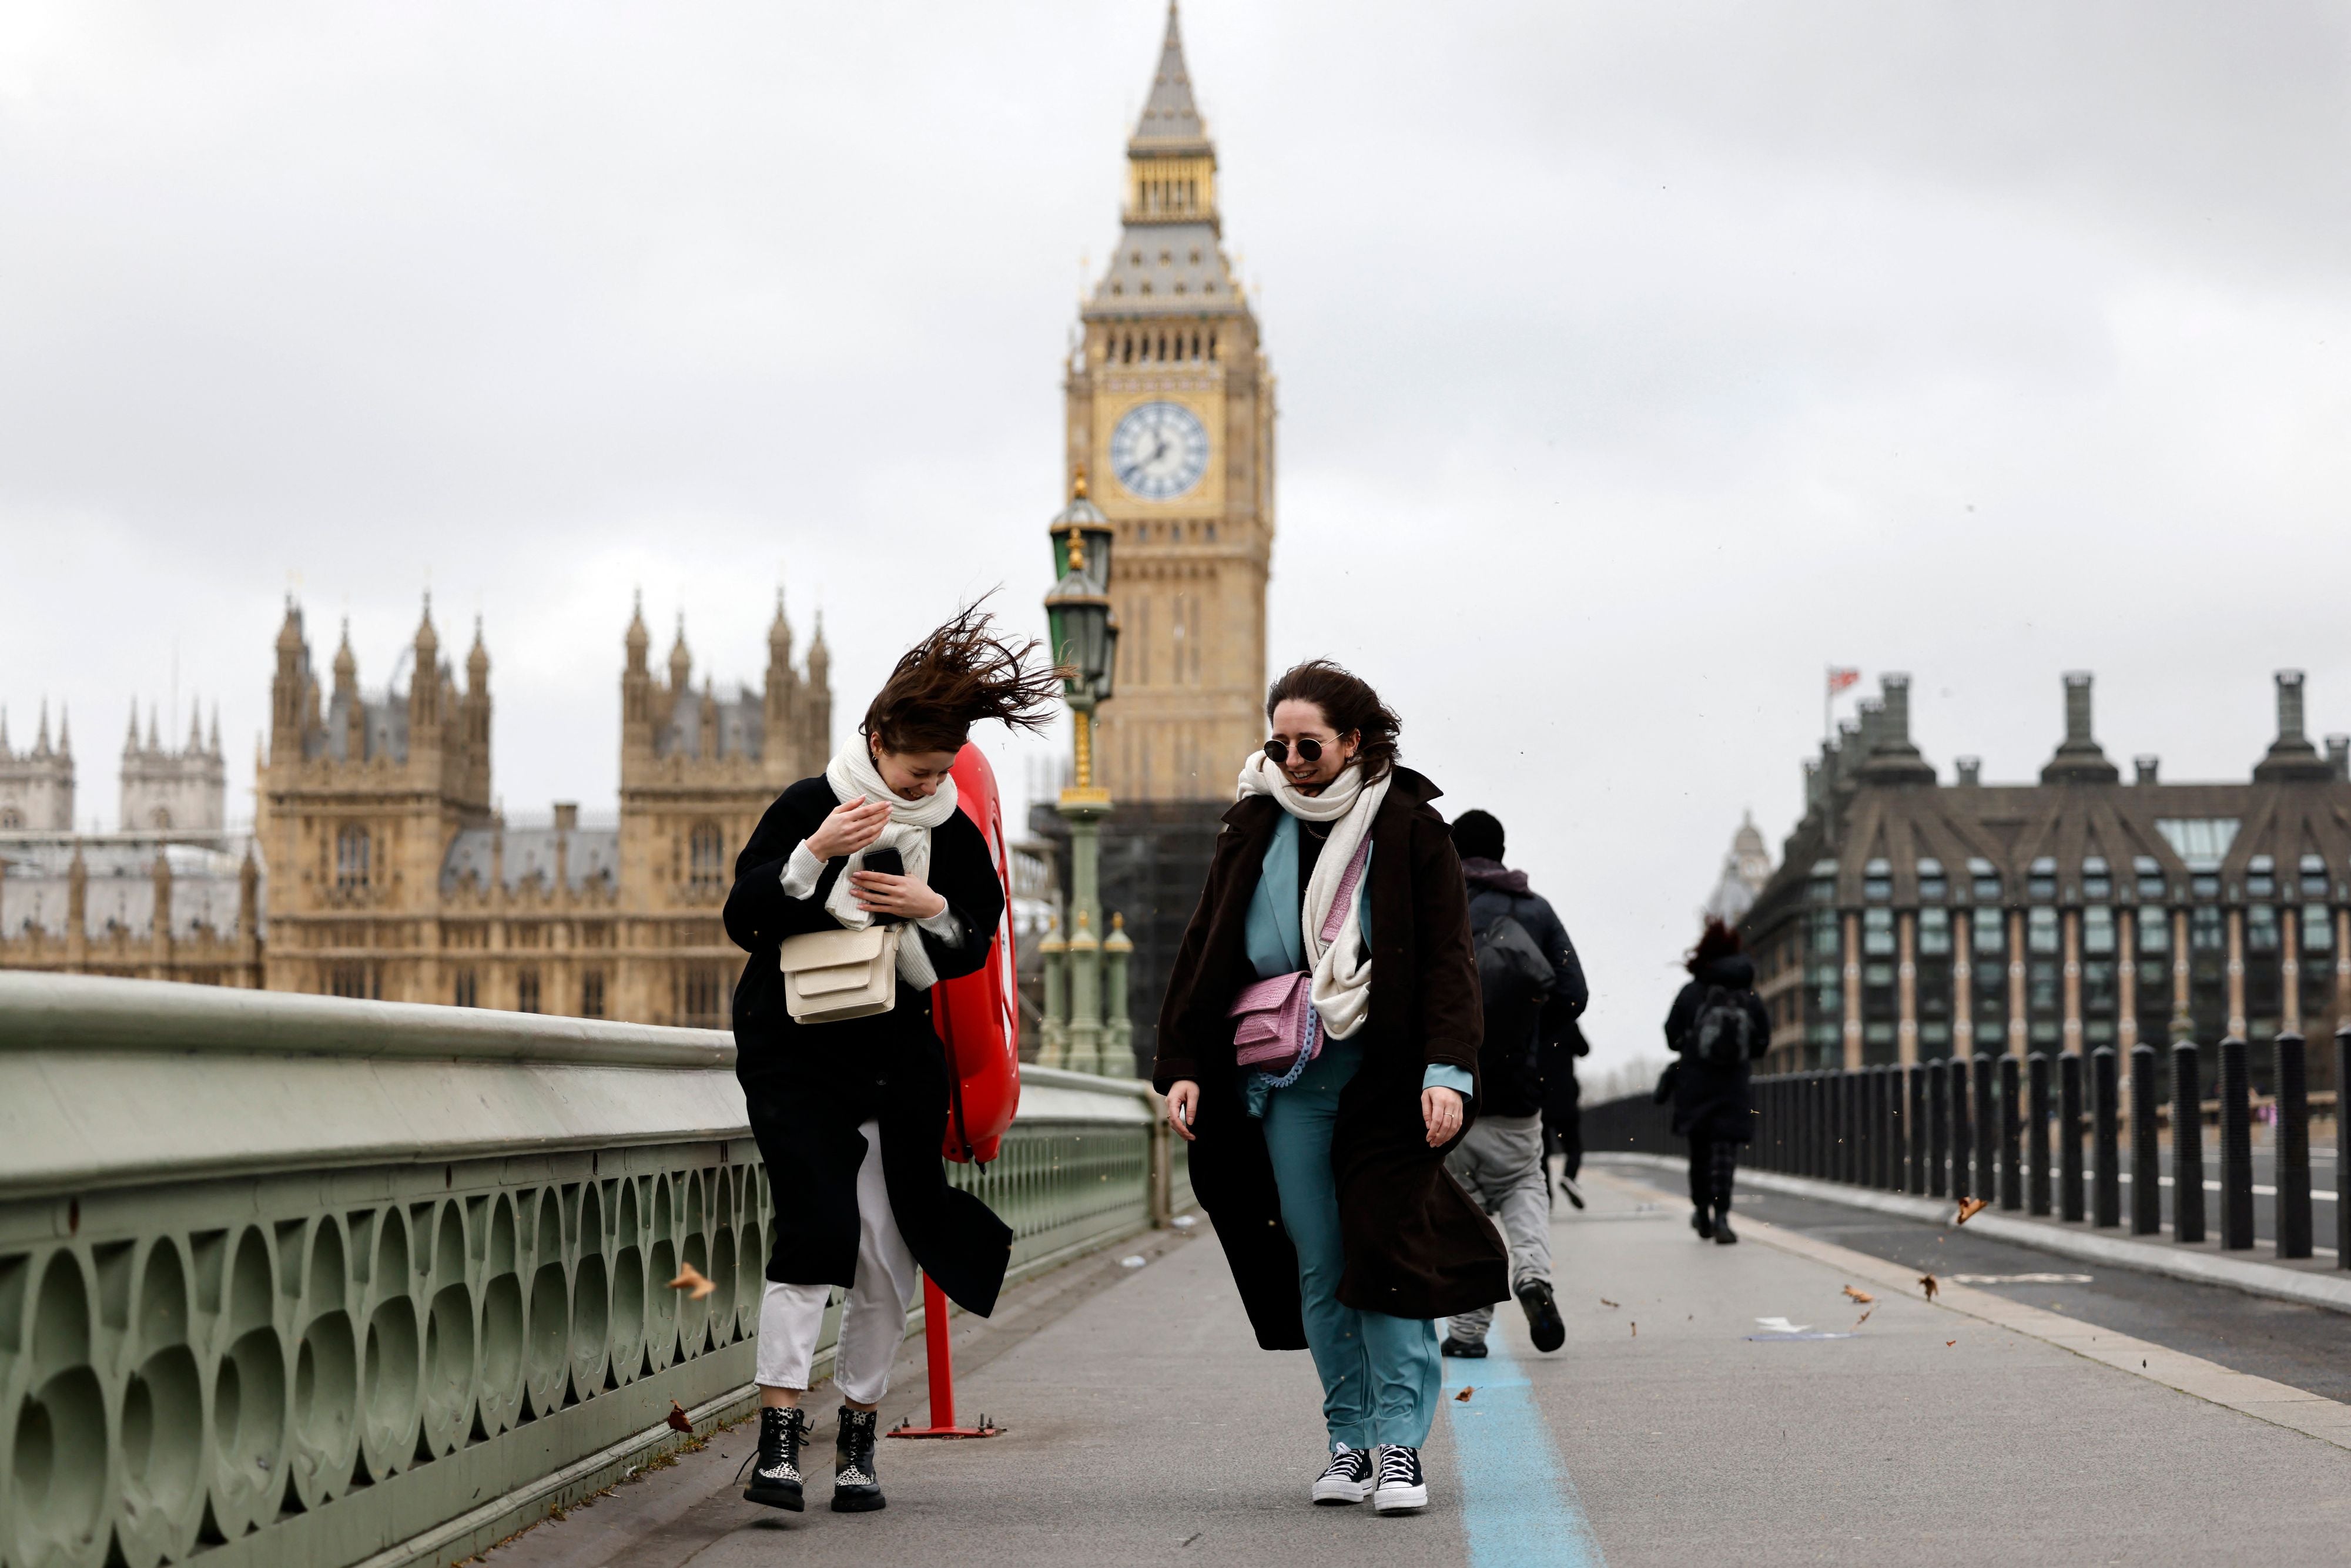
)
(1913, 919)
(393, 877)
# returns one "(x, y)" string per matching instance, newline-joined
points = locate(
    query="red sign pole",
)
(942, 1374)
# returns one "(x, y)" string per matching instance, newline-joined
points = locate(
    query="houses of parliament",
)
(377, 865)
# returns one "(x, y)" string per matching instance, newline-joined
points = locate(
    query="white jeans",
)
(873, 1323)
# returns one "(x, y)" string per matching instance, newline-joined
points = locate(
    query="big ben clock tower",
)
(1171, 419)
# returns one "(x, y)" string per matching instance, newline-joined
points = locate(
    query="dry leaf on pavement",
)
(679, 1418)
(1864, 1318)
(1606, 1302)
(1464, 1396)
(1864, 1297)
(692, 1280)
(1928, 1283)
(1950, 1343)
(1968, 1208)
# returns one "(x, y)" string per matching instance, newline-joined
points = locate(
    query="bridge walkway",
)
(1145, 1427)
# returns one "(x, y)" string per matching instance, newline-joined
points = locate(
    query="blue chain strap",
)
(1305, 1052)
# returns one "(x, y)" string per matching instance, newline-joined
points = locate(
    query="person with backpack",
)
(1318, 1048)
(868, 873)
(1717, 1025)
(1533, 990)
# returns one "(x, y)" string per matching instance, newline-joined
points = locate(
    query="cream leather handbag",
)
(830, 976)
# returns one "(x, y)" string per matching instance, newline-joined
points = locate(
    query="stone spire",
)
(780, 635)
(638, 639)
(65, 731)
(1171, 120)
(681, 662)
(130, 741)
(477, 662)
(346, 663)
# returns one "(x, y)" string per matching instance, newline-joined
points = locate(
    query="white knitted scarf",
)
(1341, 988)
(851, 774)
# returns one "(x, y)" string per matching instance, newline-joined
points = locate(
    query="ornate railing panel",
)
(291, 1280)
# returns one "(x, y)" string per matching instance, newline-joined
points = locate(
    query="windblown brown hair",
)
(958, 675)
(1349, 707)
(1717, 941)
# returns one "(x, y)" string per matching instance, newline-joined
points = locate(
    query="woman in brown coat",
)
(1325, 1173)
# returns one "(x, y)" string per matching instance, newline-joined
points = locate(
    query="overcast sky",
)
(1638, 360)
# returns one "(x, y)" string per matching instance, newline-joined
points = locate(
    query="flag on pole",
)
(1841, 677)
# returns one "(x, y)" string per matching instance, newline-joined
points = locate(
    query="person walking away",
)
(1563, 1110)
(1717, 1025)
(1533, 990)
(1325, 1173)
(850, 1114)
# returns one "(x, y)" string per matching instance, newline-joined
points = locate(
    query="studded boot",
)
(776, 1468)
(856, 1485)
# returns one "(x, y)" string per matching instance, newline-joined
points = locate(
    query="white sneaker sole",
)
(1400, 1500)
(1341, 1491)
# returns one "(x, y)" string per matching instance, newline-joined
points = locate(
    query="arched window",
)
(706, 856)
(161, 817)
(351, 857)
(11, 819)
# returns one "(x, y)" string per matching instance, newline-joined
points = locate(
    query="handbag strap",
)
(1345, 898)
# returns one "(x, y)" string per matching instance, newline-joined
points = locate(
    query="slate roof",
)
(593, 855)
(1171, 120)
(35, 895)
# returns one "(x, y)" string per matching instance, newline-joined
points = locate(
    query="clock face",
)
(1159, 450)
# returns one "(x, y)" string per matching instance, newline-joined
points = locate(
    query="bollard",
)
(1914, 1122)
(2236, 1150)
(1987, 1129)
(2107, 1184)
(2037, 1187)
(2290, 1147)
(2069, 1135)
(2147, 1164)
(2186, 1143)
(1962, 1146)
(2011, 1134)
(1938, 1129)
(2343, 1147)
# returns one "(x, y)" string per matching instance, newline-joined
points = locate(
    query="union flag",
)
(1841, 677)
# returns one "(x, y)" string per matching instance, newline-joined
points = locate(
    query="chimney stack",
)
(2338, 754)
(2079, 759)
(1885, 720)
(1971, 769)
(2144, 765)
(567, 816)
(2291, 755)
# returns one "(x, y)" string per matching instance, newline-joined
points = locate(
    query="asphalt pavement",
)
(1712, 1404)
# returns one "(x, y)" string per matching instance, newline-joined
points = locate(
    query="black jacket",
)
(1713, 1102)
(1510, 1063)
(809, 1087)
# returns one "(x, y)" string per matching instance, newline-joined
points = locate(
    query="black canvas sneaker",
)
(856, 1486)
(1544, 1325)
(1348, 1477)
(1401, 1488)
(776, 1466)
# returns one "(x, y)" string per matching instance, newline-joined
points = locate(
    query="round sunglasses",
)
(1308, 750)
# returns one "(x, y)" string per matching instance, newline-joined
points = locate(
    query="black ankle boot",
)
(856, 1485)
(1723, 1235)
(776, 1468)
(1702, 1222)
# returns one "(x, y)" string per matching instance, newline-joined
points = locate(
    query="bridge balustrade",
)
(300, 1280)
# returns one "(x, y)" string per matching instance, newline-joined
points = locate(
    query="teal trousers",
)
(1380, 1375)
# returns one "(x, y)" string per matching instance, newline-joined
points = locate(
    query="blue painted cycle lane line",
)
(1519, 1505)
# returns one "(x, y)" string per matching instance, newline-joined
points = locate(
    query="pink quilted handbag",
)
(1275, 1026)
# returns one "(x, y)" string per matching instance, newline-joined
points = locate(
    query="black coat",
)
(1416, 1246)
(1511, 1070)
(808, 1087)
(1713, 1102)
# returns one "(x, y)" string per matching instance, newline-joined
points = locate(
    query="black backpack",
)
(1721, 1032)
(1514, 978)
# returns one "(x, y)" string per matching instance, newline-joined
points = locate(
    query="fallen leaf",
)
(1636, 1331)
(1950, 1343)
(1864, 1297)
(679, 1419)
(1606, 1302)
(1928, 1283)
(692, 1280)
(1864, 1318)
(1463, 1398)
(1968, 1208)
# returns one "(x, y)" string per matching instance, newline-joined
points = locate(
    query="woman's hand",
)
(878, 893)
(850, 827)
(1441, 1109)
(1183, 1105)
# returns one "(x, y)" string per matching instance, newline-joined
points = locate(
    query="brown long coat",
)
(1416, 1246)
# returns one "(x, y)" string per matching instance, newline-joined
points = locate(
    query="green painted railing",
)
(296, 1280)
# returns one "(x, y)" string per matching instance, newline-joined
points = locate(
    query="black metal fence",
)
(2000, 1129)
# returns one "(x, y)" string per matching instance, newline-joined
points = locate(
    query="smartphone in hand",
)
(889, 863)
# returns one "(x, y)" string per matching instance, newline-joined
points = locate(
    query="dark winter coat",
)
(809, 1087)
(1713, 1102)
(1416, 1246)
(1510, 1060)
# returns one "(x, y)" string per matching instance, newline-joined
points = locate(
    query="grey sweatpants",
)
(1500, 1164)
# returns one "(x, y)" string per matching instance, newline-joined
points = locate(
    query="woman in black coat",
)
(1718, 1025)
(850, 1114)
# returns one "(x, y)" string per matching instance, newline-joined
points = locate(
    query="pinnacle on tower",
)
(428, 642)
(1171, 120)
(638, 639)
(41, 746)
(65, 731)
(130, 741)
(346, 663)
(155, 740)
(779, 630)
(195, 727)
(214, 747)
(477, 662)
(681, 662)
